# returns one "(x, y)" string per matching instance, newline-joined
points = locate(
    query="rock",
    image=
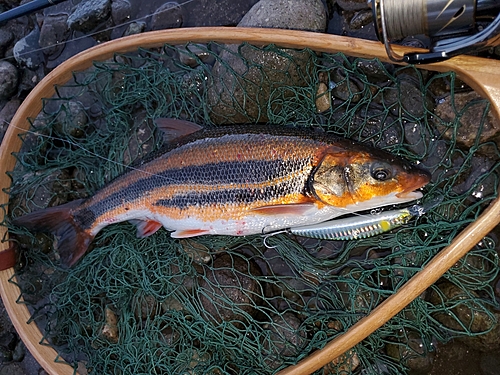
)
(29, 79)
(360, 19)
(490, 363)
(135, 28)
(412, 352)
(72, 119)
(229, 291)
(6, 115)
(406, 96)
(198, 252)
(12, 369)
(8, 79)
(323, 98)
(6, 38)
(287, 339)
(27, 51)
(168, 16)
(89, 14)
(286, 14)
(53, 34)
(243, 84)
(344, 87)
(347, 363)
(19, 352)
(192, 54)
(353, 5)
(215, 13)
(471, 108)
(110, 328)
(466, 313)
(120, 11)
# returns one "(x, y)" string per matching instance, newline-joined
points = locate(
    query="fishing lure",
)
(360, 226)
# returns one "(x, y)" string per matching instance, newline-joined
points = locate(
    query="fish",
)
(235, 180)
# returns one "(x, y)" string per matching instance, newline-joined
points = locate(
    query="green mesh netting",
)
(234, 305)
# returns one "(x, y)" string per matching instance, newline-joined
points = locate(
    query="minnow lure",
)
(363, 226)
(238, 180)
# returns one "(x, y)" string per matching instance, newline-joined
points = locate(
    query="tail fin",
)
(73, 241)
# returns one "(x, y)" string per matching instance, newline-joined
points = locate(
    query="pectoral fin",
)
(174, 129)
(145, 228)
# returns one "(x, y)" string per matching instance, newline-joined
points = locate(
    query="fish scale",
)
(238, 180)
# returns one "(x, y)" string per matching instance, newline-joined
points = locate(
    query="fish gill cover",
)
(244, 305)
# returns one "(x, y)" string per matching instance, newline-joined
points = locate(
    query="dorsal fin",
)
(174, 129)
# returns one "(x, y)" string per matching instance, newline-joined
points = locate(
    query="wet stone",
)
(27, 50)
(343, 87)
(466, 314)
(360, 19)
(489, 363)
(6, 38)
(323, 98)
(192, 54)
(471, 108)
(53, 33)
(89, 14)
(229, 291)
(135, 28)
(353, 5)
(347, 363)
(120, 11)
(287, 14)
(286, 339)
(8, 79)
(407, 97)
(28, 80)
(72, 120)
(6, 115)
(8, 342)
(243, 85)
(411, 352)
(12, 369)
(168, 16)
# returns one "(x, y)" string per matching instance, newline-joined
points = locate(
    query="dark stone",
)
(168, 16)
(229, 290)
(53, 34)
(8, 79)
(90, 14)
(27, 50)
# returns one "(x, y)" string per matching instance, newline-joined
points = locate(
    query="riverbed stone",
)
(27, 51)
(8, 79)
(471, 107)
(248, 76)
(53, 34)
(89, 14)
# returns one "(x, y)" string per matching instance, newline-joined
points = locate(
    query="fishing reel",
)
(452, 27)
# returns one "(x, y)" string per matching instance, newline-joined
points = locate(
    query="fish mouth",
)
(414, 182)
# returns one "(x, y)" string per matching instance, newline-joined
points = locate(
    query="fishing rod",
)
(453, 26)
(27, 8)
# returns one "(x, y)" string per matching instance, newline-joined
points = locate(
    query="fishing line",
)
(90, 34)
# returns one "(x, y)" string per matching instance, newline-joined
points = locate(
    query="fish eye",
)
(381, 173)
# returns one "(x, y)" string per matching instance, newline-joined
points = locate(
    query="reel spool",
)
(450, 25)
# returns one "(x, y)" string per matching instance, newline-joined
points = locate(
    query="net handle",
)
(482, 75)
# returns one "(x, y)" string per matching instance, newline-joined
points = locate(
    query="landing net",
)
(245, 305)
